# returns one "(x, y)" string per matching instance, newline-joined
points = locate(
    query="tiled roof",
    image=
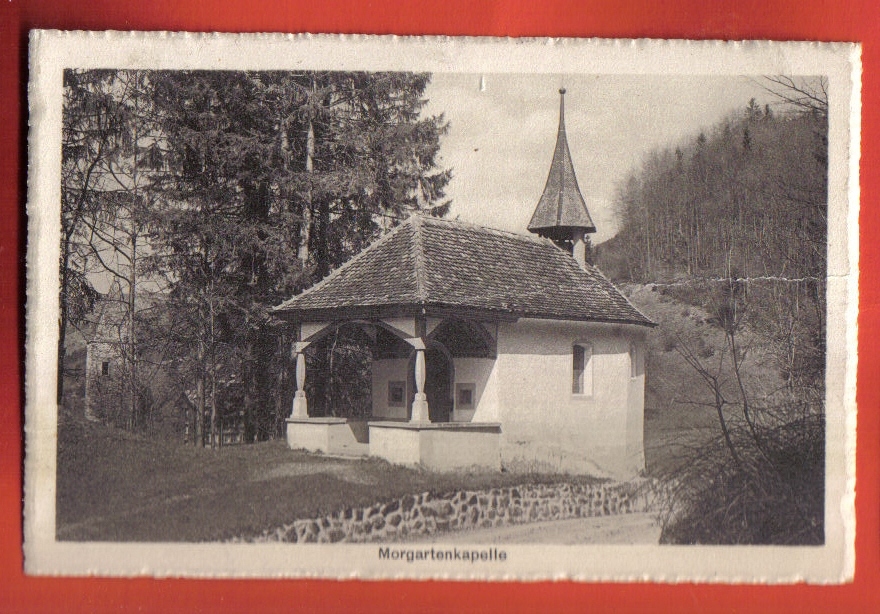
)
(108, 322)
(562, 207)
(429, 262)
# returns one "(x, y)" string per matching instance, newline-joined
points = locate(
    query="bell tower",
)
(561, 214)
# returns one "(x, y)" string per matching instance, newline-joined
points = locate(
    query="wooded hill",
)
(747, 197)
(735, 221)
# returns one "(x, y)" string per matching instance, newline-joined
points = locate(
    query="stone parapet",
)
(328, 435)
(423, 514)
(438, 445)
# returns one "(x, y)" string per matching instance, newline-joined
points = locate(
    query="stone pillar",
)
(300, 403)
(420, 401)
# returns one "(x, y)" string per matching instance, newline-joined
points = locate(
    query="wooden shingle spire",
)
(561, 214)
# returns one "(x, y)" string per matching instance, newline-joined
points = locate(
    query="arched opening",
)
(464, 338)
(338, 367)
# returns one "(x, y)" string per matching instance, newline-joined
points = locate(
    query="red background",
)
(823, 20)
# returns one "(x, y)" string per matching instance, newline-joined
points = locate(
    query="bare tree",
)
(805, 94)
(110, 154)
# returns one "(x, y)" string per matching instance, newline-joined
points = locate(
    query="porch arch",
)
(451, 339)
(326, 328)
(337, 370)
(465, 338)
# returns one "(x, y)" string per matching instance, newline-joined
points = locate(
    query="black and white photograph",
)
(441, 308)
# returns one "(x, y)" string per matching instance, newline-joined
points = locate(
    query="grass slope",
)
(679, 411)
(116, 486)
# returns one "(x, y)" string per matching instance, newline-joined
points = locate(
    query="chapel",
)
(490, 348)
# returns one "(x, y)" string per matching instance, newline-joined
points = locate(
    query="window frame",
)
(582, 374)
(460, 387)
(634, 357)
(399, 385)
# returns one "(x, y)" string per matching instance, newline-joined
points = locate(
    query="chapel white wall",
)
(384, 371)
(635, 421)
(545, 427)
(478, 371)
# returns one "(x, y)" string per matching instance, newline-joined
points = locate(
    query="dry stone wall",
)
(428, 514)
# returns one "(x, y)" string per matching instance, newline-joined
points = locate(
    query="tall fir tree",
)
(274, 180)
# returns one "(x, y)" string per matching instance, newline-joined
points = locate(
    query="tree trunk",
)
(132, 339)
(248, 383)
(214, 441)
(719, 408)
(322, 257)
(280, 387)
(213, 342)
(306, 224)
(132, 278)
(62, 323)
(198, 427)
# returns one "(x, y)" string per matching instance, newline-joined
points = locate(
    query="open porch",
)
(433, 402)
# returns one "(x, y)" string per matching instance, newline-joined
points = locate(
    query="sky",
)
(502, 131)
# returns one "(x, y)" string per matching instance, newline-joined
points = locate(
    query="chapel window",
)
(634, 358)
(397, 394)
(582, 369)
(465, 396)
(105, 367)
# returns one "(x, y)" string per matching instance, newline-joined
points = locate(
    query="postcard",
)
(441, 308)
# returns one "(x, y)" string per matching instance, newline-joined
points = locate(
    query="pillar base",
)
(300, 405)
(420, 408)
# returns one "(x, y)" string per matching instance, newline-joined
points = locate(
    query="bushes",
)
(761, 481)
(774, 494)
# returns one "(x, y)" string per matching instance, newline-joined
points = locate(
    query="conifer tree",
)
(282, 177)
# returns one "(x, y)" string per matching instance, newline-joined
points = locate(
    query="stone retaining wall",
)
(428, 514)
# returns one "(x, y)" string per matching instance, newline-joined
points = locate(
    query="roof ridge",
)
(347, 264)
(490, 230)
(597, 271)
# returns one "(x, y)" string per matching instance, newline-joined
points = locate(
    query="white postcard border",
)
(51, 52)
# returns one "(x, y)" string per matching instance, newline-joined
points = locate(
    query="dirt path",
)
(622, 529)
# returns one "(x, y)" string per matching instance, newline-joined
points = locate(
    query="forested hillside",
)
(746, 197)
(734, 222)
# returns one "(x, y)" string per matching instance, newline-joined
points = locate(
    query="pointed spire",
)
(561, 213)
